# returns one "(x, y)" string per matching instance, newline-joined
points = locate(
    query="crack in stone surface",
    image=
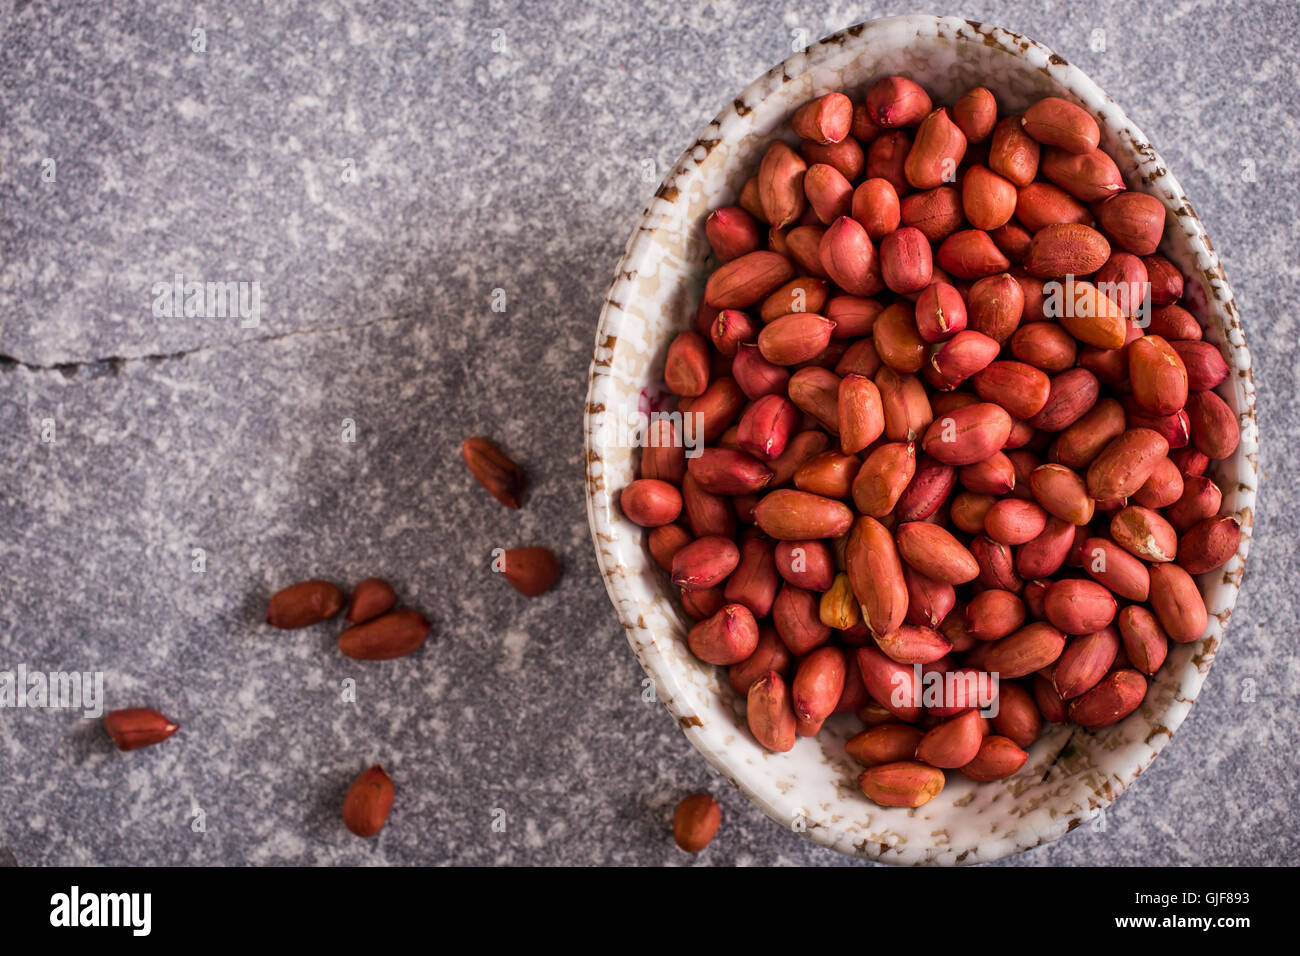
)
(114, 364)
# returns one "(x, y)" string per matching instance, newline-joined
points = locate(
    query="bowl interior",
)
(1071, 773)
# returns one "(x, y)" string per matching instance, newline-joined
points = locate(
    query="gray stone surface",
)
(477, 166)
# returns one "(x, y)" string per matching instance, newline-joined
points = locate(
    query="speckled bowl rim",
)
(608, 526)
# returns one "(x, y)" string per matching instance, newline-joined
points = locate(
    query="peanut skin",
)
(956, 417)
(696, 821)
(770, 714)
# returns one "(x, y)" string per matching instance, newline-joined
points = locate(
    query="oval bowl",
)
(1071, 773)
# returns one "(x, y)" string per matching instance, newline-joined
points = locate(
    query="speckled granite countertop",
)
(380, 170)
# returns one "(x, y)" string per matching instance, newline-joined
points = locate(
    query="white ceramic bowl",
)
(1071, 773)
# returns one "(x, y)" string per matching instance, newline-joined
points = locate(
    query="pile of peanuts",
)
(956, 424)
